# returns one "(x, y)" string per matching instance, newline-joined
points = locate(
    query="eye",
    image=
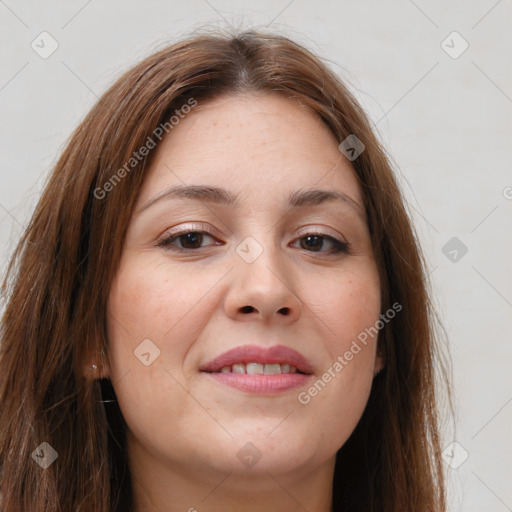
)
(191, 240)
(315, 241)
(188, 240)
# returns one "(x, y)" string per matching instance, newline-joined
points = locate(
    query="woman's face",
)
(278, 266)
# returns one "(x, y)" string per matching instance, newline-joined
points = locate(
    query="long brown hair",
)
(59, 279)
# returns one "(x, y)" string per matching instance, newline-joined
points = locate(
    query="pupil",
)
(192, 238)
(316, 238)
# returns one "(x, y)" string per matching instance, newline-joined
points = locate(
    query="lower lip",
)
(261, 384)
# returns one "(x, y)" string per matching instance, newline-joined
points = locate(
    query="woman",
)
(220, 302)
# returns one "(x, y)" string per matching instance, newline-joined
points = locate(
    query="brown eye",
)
(315, 242)
(187, 240)
(191, 240)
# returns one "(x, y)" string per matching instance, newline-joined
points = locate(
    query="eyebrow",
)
(216, 195)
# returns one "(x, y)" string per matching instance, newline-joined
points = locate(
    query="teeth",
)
(239, 368)
(272, 369)
(254, 368)
(259, 369)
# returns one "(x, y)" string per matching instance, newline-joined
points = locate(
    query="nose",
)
(263, 290)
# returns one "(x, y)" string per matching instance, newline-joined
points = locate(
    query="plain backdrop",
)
(435, 78)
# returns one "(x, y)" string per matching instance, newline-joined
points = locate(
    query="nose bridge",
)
(258, 259)
(256, 254)
(262, 282)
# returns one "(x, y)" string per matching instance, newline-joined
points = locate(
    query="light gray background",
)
(446, 121)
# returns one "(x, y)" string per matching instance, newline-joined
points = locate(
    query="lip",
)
(257, 354)
(260, 384)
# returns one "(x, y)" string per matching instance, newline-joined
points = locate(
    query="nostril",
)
(284, 311)
(247, 309)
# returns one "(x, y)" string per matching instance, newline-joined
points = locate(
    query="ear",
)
(379, 365)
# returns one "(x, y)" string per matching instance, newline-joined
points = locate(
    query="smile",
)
(258, 369)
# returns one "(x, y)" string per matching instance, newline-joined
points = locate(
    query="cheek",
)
(349, 306)
(153, 301)
(354, 314)
(146, 300)
(348, 303)
(153, 320)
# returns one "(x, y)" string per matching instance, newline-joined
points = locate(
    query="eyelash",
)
(166, 243)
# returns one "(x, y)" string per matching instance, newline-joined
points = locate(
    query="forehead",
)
(258, 145)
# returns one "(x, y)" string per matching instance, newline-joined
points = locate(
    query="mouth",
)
(258, 370)
(259, 360)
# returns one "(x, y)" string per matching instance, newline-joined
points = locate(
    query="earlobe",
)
(95, 370)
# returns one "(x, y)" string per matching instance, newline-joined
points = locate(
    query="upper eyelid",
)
(189, 227)
(201, 229)
(320, 231)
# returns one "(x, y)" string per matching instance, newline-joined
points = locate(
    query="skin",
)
(184, 431)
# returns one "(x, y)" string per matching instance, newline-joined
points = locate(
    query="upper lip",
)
(257, 354)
